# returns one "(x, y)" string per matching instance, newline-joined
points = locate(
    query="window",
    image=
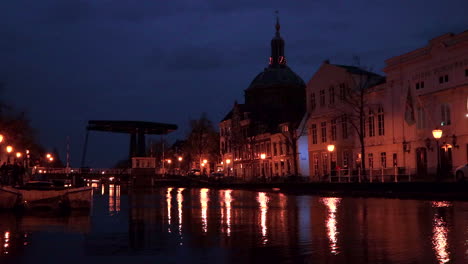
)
(322, 98)
(314, 134)
(281, 148)
(287, 148)
(331, 91)
(324, 131)
(381, 121)
(443, 79)
(421, 121)
(419, 85)
(344, 127)
(316, 163)
(342, 91)
(345, 159)
(445, 111)
(312, 101)
(370, 157)
(395, 160)
(383, 160)
(324, 163)
(371, 124)
(333, 129)
(275, 151)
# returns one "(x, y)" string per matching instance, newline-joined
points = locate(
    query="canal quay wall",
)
(402, 190)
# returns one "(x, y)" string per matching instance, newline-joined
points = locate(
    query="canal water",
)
(177, 225)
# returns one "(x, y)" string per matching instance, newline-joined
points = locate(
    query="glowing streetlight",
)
(1, 138)
(169, 161)
(9, 149)
(180, 158)
(437, 134)
(330, 149)
(18, 155)
(48, 155)
(228, 161)
(205, 161)
(51, 159)
(262, 157)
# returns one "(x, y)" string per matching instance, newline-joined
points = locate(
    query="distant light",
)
(263, 156)
(205, 161)
(180, 158)
(331, 148)
(1, 138)
(228, 161)
(48, 155)
(103, 172)
(18, 154)
(27, 151)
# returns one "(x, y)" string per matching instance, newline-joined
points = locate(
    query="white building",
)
(424, 89)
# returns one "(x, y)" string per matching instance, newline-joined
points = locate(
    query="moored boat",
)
(44, 194)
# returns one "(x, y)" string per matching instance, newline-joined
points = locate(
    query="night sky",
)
(67, 61)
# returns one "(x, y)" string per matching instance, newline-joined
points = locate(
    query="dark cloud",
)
(68, 61)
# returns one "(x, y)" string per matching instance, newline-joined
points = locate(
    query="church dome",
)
(275, 76)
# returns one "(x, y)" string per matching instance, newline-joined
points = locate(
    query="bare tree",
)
(356, 103)
(292, 133)
(203, 139)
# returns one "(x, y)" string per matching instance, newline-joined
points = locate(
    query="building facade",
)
(425, 89)
(258, 138)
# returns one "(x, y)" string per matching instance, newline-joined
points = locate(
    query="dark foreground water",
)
(176, 225)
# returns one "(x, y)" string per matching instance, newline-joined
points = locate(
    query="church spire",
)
(277, 58)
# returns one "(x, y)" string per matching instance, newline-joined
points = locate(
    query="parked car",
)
(461, 173)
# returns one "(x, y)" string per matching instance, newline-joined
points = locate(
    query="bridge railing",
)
(102, 171)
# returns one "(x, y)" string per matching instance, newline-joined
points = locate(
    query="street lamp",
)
(9, 149)
(180, 161)
(228, 161)
(330, 149)
(437, 134)
(262, 157)
(18, 155)
(1, 138)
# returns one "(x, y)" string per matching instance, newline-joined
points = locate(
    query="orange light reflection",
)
(204, 208)
(180, 199)
(169, 201)
(227, 202)
(262, 199)
(331, 222)
(440, 232)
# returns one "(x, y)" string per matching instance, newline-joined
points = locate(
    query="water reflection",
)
(114, 198)
(331, 222)
(440, 232)
(226, 211)
(180, 200)
(262, 199)
(204, 208)
(169, 202)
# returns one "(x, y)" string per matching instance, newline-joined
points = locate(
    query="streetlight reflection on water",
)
(226, 210)
(204, 208)
(331, 222)
(440, 233)
(180, 200)
(169, 201)
(262, 199)
(114, 198)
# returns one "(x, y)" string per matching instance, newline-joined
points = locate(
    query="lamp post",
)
(9, 149)
(180, 161)
(228, 161)
(330, 149)
(437, 134)
(262, 157)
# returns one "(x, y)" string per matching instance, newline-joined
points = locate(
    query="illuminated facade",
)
(424, 89)
(266, 123)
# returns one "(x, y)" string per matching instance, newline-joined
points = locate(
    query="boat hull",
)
(69, 198)
(9, 198)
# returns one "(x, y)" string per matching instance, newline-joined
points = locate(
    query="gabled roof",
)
(357, 70)
(242, 108)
